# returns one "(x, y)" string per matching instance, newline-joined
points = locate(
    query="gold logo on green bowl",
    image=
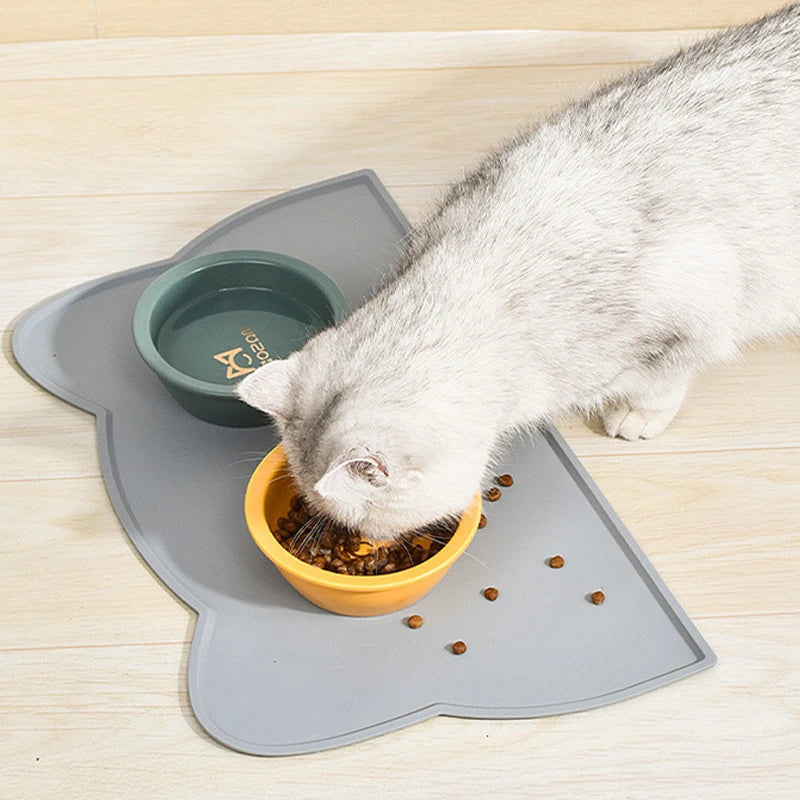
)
(228, 357)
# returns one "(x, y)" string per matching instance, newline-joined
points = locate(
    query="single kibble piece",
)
(598, 598)
(505, 480)
(415, 621)
(483, 521)
(459, 648)
(556, 562)
(493, 494)
(490, 593)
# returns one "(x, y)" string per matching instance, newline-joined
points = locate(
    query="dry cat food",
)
(493, 494)
(505, 480)
(327, 545)
(459, 648)
(415, 621)
(490, 593)
(597, 598)
(483, 521)
(556, 562)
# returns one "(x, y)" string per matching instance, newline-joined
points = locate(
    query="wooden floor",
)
(126, 128)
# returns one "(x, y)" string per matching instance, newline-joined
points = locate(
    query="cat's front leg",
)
(646, 403)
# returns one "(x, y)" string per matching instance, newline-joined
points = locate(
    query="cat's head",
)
(368, 459)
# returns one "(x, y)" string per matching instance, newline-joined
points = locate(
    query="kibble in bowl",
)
(327, 545)
(269, 498)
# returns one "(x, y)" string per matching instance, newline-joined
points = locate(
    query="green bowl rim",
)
(182, 270)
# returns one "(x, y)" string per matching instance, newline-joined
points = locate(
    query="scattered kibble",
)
(459, 648)
(505, 480)
(483, 521)
(556, 562)
(597, 598)
(490, 593)
(493, 494)
(415, 621)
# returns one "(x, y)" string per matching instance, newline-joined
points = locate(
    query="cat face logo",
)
(235, 370)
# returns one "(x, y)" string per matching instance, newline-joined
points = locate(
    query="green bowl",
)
(206, 323)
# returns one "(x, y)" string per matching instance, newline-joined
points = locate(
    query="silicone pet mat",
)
(271, 674)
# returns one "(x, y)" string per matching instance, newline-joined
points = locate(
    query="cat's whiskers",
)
(303, 531)
(405, 547)
(317, 526)
(475, 558)
(442, 541)
(248, 460)
(282, 474)
(431, 538)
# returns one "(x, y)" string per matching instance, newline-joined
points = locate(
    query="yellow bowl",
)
(267, 499)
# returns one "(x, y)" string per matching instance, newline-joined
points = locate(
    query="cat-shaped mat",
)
(271, 674)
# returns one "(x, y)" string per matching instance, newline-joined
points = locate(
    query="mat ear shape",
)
(270, 388)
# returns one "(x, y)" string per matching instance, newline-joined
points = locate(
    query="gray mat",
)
(271, 674)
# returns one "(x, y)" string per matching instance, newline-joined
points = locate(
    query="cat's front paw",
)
(631, 424)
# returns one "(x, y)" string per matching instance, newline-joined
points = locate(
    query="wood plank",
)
(721, 528)
(244, 132)
(181, 17)
(71, 576)
(117, 719)
(42, 436)
(37, 20)
(340, 52)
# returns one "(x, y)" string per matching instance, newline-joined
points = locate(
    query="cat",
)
(594, 262)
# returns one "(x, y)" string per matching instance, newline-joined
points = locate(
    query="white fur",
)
(596, 262)
(269, 388)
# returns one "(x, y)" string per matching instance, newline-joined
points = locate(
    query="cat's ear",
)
(271, 388)
(352, 478)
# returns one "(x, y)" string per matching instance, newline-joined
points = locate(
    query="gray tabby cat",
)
(596, 262)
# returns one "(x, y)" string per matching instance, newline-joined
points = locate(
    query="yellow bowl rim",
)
(272, 549)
